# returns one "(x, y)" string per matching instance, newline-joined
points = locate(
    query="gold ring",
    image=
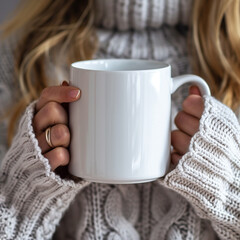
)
(48, 137)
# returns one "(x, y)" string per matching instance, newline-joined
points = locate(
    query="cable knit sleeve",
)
(208, 176)
(32, 197)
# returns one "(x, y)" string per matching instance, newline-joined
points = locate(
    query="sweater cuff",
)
(208, 175)
(31, 194)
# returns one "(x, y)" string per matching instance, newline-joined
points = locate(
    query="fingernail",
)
(65, 83)
(74, 93)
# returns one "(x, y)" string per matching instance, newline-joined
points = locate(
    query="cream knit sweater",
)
(199, 199)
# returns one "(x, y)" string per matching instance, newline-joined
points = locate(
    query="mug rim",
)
(88, 65)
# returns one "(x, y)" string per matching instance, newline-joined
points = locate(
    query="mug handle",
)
(190, 78)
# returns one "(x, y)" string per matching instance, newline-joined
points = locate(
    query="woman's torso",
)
(155, 29)
(140, 29)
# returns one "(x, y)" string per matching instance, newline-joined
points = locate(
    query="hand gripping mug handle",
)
(190, 78)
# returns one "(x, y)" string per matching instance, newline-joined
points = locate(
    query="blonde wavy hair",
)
(216, 47)
(65, 30)
(61, 30)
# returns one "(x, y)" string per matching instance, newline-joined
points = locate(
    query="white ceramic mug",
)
(120, 127)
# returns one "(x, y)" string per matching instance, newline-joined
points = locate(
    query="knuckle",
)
(193, 105)
(192, 100)
(52, 106)
(61, 133)
(186, 102)
(55, 113)
(62, 155)
(54, 110)
(174, 134)
(179, 118)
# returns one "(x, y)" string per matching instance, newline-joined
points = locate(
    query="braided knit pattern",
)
(199, 199)
(209, 174)
(32, 197)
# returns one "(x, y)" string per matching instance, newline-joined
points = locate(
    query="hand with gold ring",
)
(50, 123)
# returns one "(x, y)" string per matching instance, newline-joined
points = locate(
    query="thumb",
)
(194, 90)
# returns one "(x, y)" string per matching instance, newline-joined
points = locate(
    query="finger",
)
(194, 90)
(193, 105)
(187, 123)
(51, 114)
(57, 157)
(180, 141)
(58, 94)
(175, 157)
(59, 136)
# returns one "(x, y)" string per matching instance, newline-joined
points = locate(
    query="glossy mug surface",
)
(120, 127)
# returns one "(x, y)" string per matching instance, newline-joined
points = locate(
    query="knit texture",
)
(32, 197)
(208, 176)
(139, 14)
(199, 199)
